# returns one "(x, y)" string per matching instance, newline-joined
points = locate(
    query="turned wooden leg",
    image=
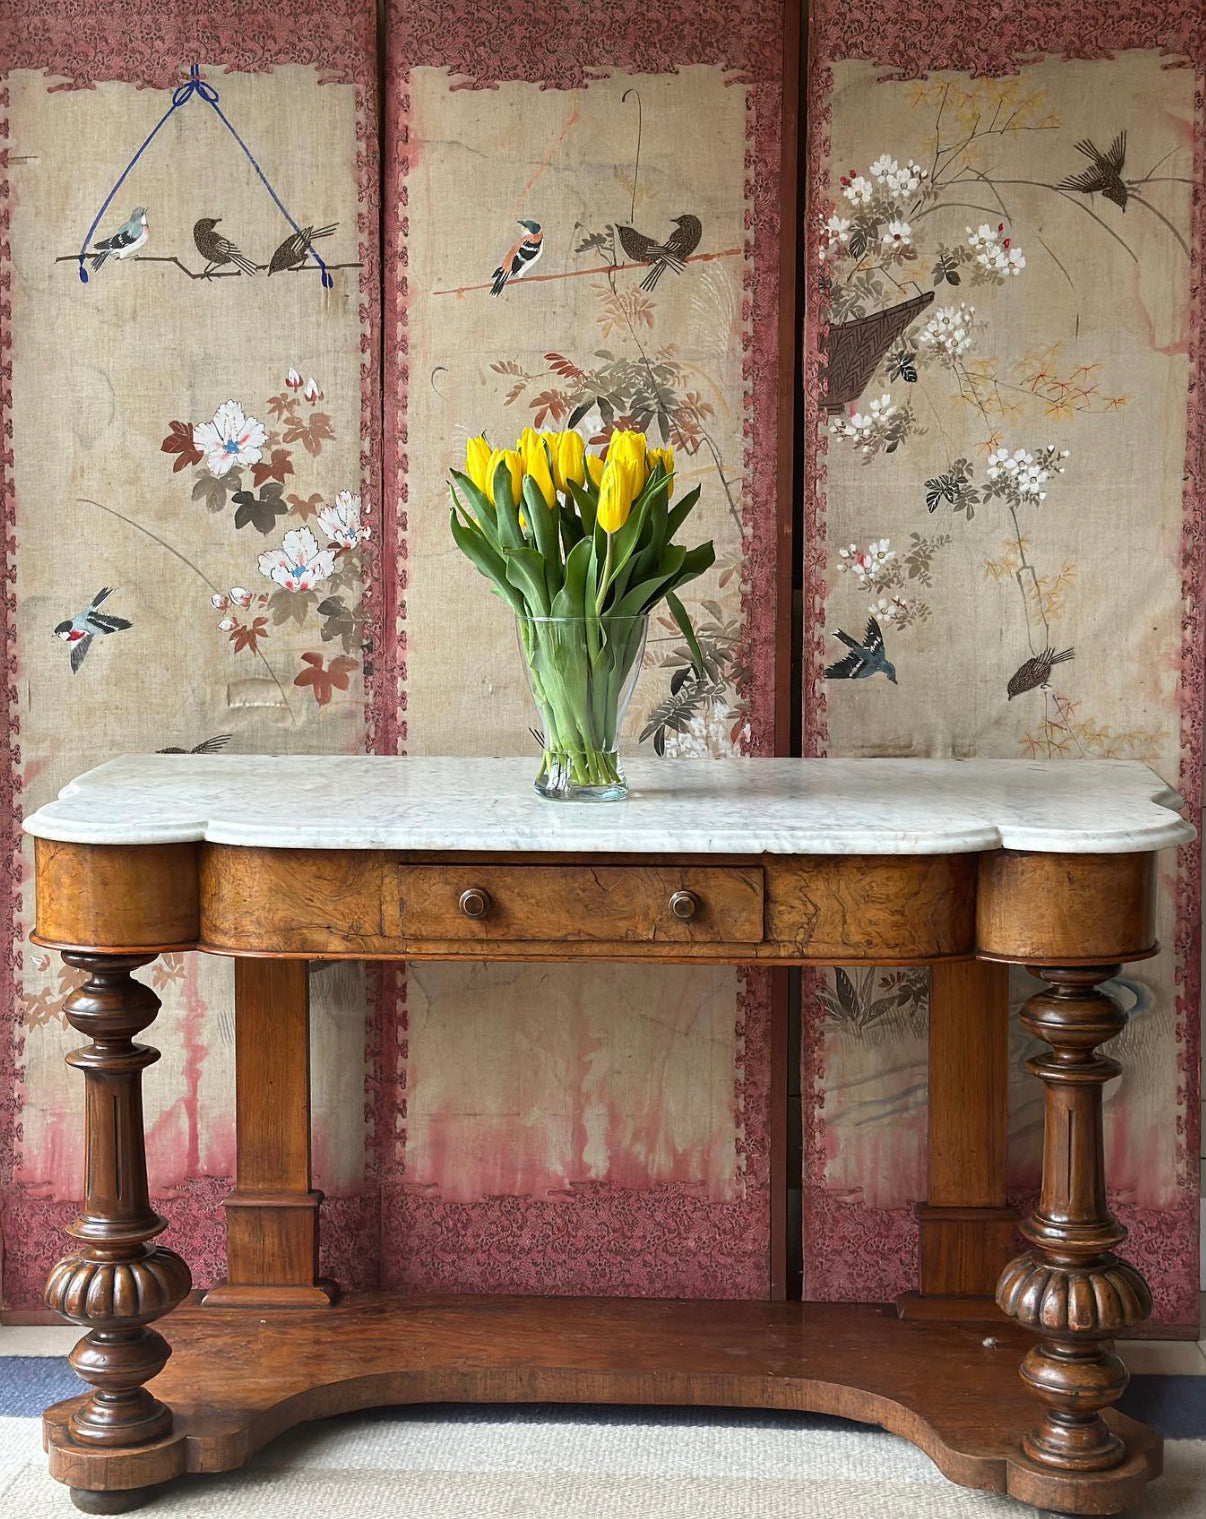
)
(116, 1283)
(1071, 1286)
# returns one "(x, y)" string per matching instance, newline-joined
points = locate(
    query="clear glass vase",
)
(581, 672)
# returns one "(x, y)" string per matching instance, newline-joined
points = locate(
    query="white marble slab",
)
(749, 806)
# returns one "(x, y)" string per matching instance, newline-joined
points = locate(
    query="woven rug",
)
(576, 1463)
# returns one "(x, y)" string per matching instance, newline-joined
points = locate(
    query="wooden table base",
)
(236, 1380)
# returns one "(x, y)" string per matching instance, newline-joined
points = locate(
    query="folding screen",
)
(1004, 448)
(562, 1129)
(189, 472)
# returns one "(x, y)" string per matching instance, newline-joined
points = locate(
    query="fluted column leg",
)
(1071, 1286)
(116, 1283)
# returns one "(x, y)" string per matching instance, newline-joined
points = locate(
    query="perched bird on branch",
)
(1035, 672)
(217, 250)
(521, 257)
(1105, 177)
(865, 659)
(292, 252)
(128, 238)
(79, 631)
(672, 254)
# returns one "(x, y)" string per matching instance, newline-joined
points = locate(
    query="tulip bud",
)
(311, 391)
(594, 469)
(240, 596)
(568, 453)
(477, 463)
(617, 491)
(536, 464)
(293, 380)
(629, 449)
(664, 457)
(514, 466)
(219, 601)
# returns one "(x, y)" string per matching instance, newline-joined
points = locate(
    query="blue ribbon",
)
(195, 85)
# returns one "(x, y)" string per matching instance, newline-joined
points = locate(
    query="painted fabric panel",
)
(1003, 531)
(189, 477)
(568, 1129)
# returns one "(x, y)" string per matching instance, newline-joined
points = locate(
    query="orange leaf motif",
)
(325, 681)
(179, 441)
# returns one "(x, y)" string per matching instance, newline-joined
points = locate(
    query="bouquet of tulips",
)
(581, 548)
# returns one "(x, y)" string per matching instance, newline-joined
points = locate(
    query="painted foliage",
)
(583, 212)
(188, 271)
(1003, 550)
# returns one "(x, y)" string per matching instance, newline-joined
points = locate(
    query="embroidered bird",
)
(1105, 176)
(128, 238)
(292, 252)
(217, 250)
(206, 746)
(865, 659)
(521, 257)
(79, 631)
(1035, 672)
(672, 254)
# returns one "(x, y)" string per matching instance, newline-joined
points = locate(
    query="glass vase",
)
(581, 671)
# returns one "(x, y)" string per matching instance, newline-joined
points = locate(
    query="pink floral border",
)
(615, 1240)
(148, 43)
(852, 1251)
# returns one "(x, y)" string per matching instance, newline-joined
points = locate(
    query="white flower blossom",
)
(230, 439)
(869, 564)
(298, 564)
(311, 391)
(292, 379)
(341, 520)
(859, 191)
(897, 234)
(884, 167)
(838, 228)
(948, 331)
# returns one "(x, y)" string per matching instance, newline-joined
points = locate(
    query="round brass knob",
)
(475, 902)
(684, 904)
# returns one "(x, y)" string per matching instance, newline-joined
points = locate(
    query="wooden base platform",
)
(237, 1379)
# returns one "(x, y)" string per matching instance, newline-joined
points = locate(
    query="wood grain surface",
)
(235, 1381)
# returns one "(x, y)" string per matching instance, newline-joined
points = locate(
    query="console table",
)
(280, 860)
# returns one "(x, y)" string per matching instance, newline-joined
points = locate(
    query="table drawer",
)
(604, 903)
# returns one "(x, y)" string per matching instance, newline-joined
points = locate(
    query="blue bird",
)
(865, 659)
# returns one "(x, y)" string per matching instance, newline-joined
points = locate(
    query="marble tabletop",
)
(723, 807)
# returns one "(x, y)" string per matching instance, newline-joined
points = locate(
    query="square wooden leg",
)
(272, 1215)
(967, 1230)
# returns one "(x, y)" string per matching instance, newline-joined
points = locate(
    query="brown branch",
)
(574, 274)
(217, 274)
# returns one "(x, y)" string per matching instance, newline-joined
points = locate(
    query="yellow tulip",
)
(629, 448)
(477, 462)
(568, 453)
(594, 468)
(536, 464)
(664, 457)
(619, 487)
(514, 463)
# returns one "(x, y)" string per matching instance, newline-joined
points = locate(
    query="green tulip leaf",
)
(680, 615)
(475, 548)
(510, 534)
(480, 505)
(544, 525)
(587, 504)
(680, 511)
(525, 571)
